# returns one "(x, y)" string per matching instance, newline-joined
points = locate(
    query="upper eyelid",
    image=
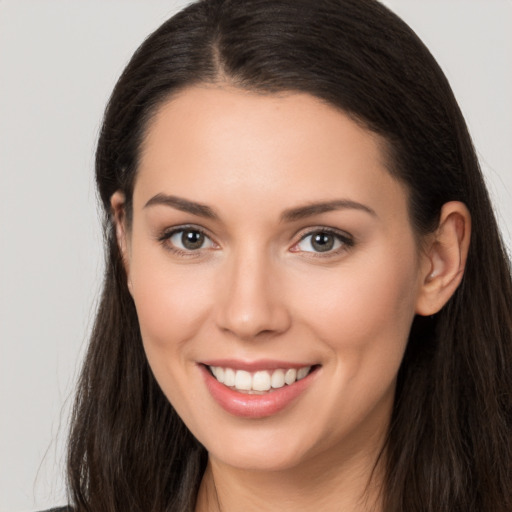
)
(168, 232)
(346, 239)
(165, 236)
(323, 229)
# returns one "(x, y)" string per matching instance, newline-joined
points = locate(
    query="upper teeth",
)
(258, 381)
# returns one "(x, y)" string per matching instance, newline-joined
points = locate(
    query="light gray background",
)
(58, 63)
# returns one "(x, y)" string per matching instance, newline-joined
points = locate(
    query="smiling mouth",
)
(259, 382)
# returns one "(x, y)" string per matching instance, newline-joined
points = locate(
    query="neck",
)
(329, 482)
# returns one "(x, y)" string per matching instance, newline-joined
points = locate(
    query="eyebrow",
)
(290, 215)
(294, 214)
(184, 205)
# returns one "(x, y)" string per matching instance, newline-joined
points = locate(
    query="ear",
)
(444, 259)
(118, 206)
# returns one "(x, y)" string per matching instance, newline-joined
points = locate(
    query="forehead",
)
(223, 144)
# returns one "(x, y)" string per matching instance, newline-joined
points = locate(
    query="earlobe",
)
(117, 203)
(445, 259)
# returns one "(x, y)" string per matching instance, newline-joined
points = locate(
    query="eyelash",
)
(346, 241)
(165, 238)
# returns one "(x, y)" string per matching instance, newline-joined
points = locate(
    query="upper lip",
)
(252, 366)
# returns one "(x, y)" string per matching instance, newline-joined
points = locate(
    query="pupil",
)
(192, 239)
(322, 242)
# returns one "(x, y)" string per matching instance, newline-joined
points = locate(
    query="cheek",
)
(364, 312)
(171, 300)
(363, 318)
(172, 304)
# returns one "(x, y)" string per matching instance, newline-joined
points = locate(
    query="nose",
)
(252, 303)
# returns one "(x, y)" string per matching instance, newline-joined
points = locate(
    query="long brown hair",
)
(449, 445)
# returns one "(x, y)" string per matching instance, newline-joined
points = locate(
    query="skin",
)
(257, 289)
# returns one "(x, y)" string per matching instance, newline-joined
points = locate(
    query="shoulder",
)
(59, 509)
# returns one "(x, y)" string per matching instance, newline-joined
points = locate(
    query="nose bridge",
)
(252, 304)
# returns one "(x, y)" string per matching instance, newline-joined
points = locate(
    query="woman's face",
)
(270, 246)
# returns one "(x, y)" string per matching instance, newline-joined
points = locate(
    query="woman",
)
(307, 304)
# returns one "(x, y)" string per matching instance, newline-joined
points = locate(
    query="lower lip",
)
(245, 405)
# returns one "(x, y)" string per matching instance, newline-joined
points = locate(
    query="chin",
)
(259, 459)
(260, 449)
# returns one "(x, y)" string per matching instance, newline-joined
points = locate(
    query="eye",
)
(323, 241)
(187, 240)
